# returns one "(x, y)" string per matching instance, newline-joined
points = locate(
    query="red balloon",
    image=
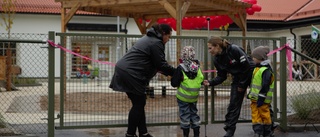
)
(250, 11)
(256, 7)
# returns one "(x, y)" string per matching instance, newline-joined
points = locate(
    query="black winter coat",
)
(139, 65)
(235, 61)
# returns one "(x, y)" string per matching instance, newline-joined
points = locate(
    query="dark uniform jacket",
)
(138, 66)
(235, 61)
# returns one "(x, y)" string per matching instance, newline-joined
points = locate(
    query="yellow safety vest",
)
(256, 85)
(188, 90)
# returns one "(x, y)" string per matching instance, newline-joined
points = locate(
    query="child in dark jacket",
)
(188, 78)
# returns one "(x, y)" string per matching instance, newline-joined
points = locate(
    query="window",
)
(79, 63)
(103, 53)
(310, 48)
(3, 50)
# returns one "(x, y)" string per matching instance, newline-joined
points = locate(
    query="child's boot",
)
(196, 132)
(267, 131)
(186, 132)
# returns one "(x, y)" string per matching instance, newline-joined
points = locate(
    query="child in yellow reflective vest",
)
(261, 91)
(188, 78)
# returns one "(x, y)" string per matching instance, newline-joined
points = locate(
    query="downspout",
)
(126, 32)
(294, 42)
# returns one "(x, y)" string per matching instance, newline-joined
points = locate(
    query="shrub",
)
(24, 81)
(2, 121)
(304, 104)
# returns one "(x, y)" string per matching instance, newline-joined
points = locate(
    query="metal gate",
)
(87, 65)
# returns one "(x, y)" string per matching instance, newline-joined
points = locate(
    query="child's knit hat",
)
(188, 56)
(260, 53)
(188, 53)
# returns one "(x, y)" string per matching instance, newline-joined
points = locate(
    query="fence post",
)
(275, 88)
(51, 87)
(283, 85)
(151, 92)
(163, 89)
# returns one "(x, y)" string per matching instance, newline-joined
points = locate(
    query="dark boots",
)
(145, 135)
(267, 131)
(128, 135)
(230, 131)
(258, 129)
(186, 132)
(196, 132)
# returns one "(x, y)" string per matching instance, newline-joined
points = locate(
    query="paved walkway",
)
(211, 130)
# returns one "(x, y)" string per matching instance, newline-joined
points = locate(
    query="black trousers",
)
(234, 108)
(137, 117)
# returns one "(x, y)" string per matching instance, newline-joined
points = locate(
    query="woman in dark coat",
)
(136, 68)
(230, 58)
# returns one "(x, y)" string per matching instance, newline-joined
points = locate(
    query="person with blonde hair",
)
(188, 78)
(230, 58)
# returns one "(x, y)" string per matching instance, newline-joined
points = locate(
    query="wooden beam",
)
(71, 12)
(153, 20)
(178, 29)
(141, 27)
(244, 31)
(97, 3)
(236, 20)
(216, 5)
(188, 14)
(109, 12)
(185, 8)
(243, 19)
(170, 9)
(63, 24)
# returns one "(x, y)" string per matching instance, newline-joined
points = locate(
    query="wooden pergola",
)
(155, 9)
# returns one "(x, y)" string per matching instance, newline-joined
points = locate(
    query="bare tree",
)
(7, 15)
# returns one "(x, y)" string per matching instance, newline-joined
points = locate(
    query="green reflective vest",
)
(256, 86)
(188, 90)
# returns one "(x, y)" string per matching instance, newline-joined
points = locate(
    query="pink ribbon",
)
(98, 61)
(289, 57)
(208, 71)
(71, 52)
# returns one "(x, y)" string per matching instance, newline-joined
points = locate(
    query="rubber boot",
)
(196, 132)
(186, 132)
(258, 129)
(267, 131)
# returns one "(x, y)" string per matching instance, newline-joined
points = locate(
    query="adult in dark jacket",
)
(136, 68)
(230, 58)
